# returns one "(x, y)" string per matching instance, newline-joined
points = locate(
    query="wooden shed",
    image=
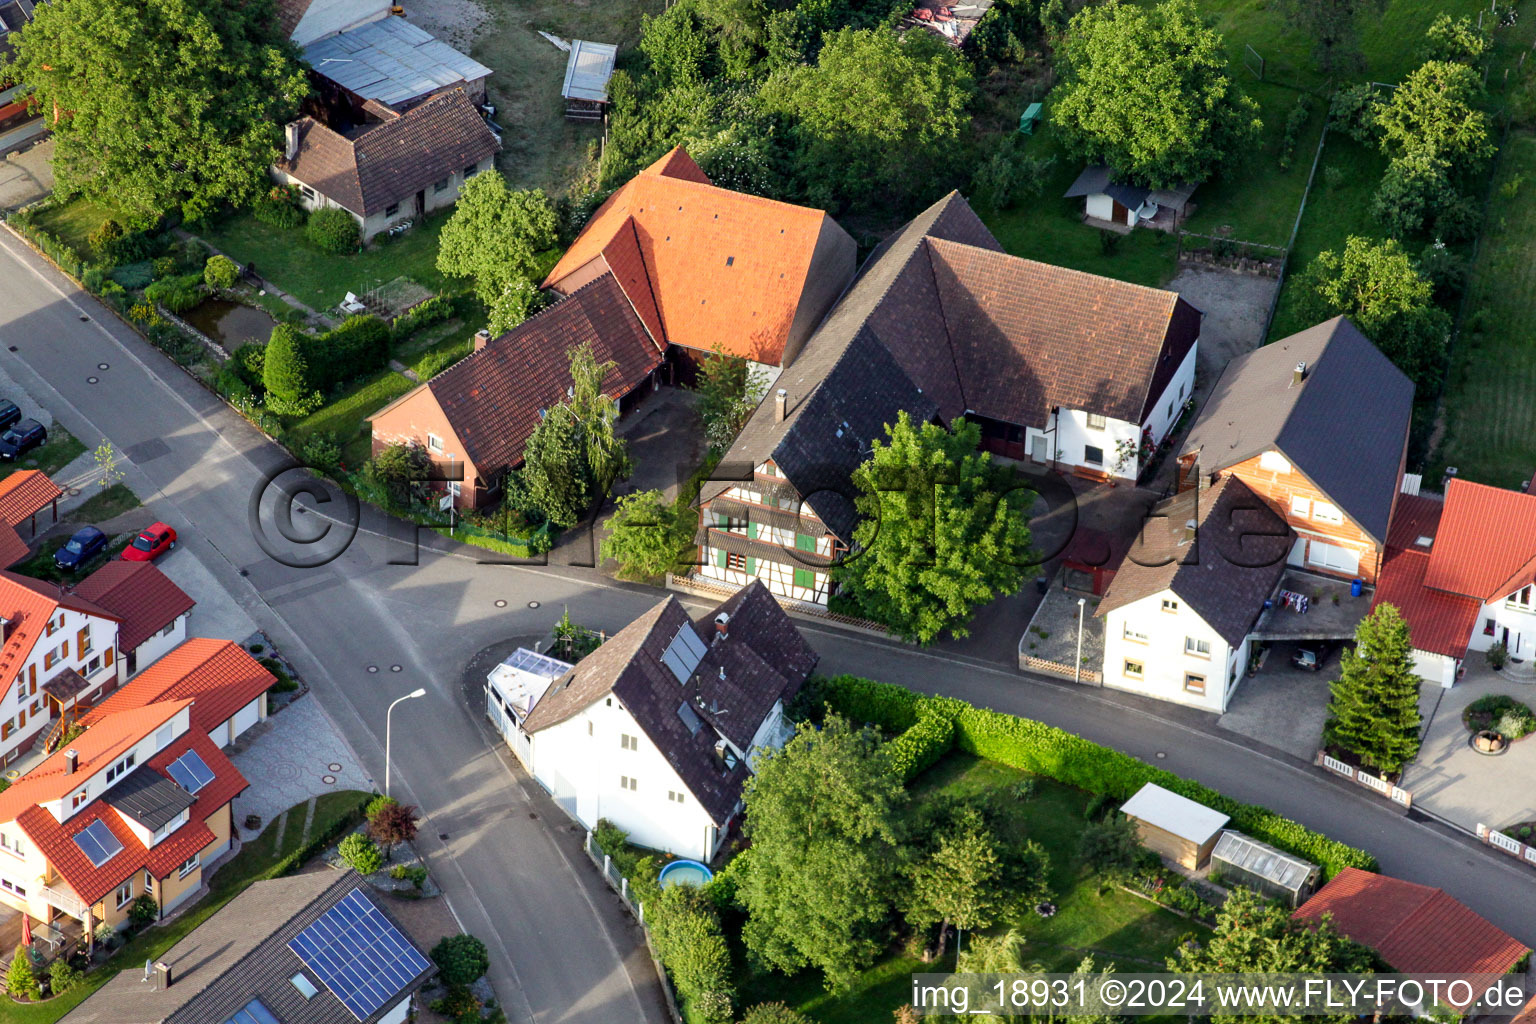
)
(1174, 826)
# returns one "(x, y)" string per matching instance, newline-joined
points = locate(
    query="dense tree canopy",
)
(647, 533)
(573, 457)
(941, 530)
(822, 815)
(1455, 39)
(728, 390)
(1334, 28)
(1374, 713)
(1148, 93)
(505, 240)
(1378, 286)
(161, 104)
(1433, 115)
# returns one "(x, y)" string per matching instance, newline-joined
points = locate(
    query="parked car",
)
(10, 413)
(149, 545)
(86, 544)
(21, 438)
(1311, 656)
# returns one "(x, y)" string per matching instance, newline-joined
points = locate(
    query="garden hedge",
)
(357, 347)
(1042, 749)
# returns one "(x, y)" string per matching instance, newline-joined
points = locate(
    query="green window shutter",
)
(752, 531)
(720, 559)
(722, 520)
(751, 565)
(805, 543)
(805, 578)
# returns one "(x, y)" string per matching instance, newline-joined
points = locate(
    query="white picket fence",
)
(1509, 844)
(1396, 794)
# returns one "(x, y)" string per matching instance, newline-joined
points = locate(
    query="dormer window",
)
(122, 766)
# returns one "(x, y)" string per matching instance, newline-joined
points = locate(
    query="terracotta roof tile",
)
(493, 398)
(1438, 622)
(30, 604)
(1414, 517)
(25, 493)
(218, 676)
(1486, 544)
(725, 268)
(395, 158)
(12, 548)
(1415, 928)
(143, 597)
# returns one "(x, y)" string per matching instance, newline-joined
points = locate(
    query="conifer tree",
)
(1374, 713)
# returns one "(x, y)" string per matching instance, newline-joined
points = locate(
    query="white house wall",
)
(1506, 615)
(584, 756)
(1073, 436)
(382, 219)
(156, 647)
(1170, 404)
(25, 706)
(1439, 669)
(1163, 657)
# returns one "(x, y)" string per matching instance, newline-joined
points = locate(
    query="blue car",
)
(86, 544)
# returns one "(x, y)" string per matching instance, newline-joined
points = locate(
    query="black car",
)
(86, 544)
(1311, 656)
(10, 413)
(21, 438)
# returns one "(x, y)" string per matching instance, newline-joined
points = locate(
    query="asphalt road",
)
(562, 945)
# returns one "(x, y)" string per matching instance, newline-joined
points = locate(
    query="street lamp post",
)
(418, 692)
(1079, 666)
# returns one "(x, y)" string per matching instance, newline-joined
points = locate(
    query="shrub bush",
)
(357, 347)
(1498, 656)
(134, 275)
(333, 231)
(434, 363)
(285, 682)
(105, 237)
(920, 747)
(362, 853)
(280, 207)
(247, 361)
(377, 804)
(1040, 749)
(165, 266)
(435, 310)
(62, 976)
(20, 978)
(457, 1004)
(177, 294)
(220, 273)
(461, 960)
(143, 910)
(320, 451)
(689, 942)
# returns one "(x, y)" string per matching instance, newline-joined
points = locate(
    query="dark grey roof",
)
(1345, 427)
(1097, 180)
(761, 660)
(1224, 574)
(149, 798)
(238, 954)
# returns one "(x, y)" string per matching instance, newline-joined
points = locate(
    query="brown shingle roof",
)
(1225, 574)
(395, 158)
(761, 660)
(494, 397)
(290, 13)
(140, 594)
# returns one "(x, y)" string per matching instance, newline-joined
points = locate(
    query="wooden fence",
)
(1029, 663)
(1380, 786)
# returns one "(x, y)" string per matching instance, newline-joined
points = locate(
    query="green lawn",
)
(254, 862)
(1490, 398)
(1115, 926)
(52, 455)
(104, 505)
(73, 222)
(319, 280)
(347, 416)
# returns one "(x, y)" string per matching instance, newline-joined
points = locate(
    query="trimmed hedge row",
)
(1042, 749)
(295, 860)
(920, 747)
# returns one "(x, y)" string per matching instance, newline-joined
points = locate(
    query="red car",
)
(155, 541)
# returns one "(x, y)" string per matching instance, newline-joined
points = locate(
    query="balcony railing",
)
(66, 901)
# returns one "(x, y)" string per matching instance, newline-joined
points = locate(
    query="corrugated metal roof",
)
(391, 61)
(149, 798)
(1260, 859)
(588, 69)
(1173, 813)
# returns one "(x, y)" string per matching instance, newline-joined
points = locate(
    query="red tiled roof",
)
(95, 748)
(1414, 516)
(12, 548)
(140, 594)
(24, 493)
(725, 268)
(1438, 622)
(1527, 1015)
(1486, 544)
(56, 839)
(1415, 928)
(30, 604)
(218, 676)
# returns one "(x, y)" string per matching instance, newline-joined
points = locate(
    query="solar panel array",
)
(684, 653)
(253, 1012)
(98, 843)
(190, 771)
(358, 954)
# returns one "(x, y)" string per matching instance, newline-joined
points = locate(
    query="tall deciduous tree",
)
(1148, 93)
(818, 881)
(1334, 28)
(504, 240)
(961, 880)
(1378, 286)
(1374, 712)
(1455, 39)
(159, 104)
(606, 454)
(573, 455)
(646, 534)
(1253, 935)
(728, 389)
(941, 530)
(1433, 114)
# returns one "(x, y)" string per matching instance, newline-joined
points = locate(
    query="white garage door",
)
(1331, 556)
(246, 717)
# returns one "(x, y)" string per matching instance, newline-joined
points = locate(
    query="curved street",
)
(364, 629)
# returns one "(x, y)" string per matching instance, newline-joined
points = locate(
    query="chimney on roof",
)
(722, 624)
(1189, 532)
(1299, 374)
(482, 338)
(292, 149)
(162, 975)
(7, 626)
(71, 761)
(780, 405)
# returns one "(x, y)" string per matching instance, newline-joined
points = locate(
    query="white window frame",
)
(1301, 507)
(1326, 512)
(122, 895)
(434, 443)
(1097, 421)
(190, 865)
(628, 742)
(629, 782)
(1170, 606)
(1139, 673)
(1134, 635)
(1192, 645)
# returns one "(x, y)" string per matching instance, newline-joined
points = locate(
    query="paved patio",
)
(292, 756)
(1452, 780)
(26, 175)
(1281, 705)
(1332, 614)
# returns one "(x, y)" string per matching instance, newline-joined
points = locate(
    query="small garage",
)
(1174, 826)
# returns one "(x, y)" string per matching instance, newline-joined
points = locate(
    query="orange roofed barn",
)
(137, 804)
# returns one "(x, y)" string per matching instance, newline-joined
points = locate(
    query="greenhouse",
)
(1243, 861)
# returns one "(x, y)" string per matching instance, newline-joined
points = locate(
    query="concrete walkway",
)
(26, 175)
(1453, 781)
(289, 758)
